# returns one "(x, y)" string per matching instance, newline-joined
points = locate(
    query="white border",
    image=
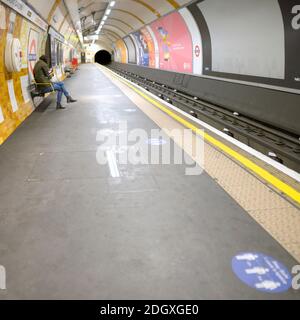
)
(196, 39)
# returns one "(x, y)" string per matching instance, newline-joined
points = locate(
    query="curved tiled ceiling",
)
(126, 15)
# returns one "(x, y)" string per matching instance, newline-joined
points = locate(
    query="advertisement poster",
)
(24, 38)
(32, 52)
(121, 51)
(150, 47)
(175, 43)
(142, 49)
(53, 52)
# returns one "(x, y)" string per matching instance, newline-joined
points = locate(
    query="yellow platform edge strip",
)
(264, 174)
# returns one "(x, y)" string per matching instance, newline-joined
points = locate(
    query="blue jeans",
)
(60, 88)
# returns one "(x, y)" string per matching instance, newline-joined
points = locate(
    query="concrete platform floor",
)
(69, 230)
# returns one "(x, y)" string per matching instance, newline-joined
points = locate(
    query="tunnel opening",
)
(103, 57)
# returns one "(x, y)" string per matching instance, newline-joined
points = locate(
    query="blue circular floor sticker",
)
(262, 272)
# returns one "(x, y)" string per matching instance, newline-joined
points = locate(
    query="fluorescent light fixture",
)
(107, 13)
(100, 26)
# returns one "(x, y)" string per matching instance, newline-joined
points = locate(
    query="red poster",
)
(175, 43)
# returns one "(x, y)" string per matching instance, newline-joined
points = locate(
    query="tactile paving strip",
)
(245, 188)
(279, 217)
(286, 231)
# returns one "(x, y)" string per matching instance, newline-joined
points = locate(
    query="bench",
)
(35, 91)
(69, 71)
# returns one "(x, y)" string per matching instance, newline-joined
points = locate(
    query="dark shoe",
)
(59, 107)
(71, 100)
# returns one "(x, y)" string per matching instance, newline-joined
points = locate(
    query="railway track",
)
(281, 146)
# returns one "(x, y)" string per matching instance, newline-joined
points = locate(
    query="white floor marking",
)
(112, 162)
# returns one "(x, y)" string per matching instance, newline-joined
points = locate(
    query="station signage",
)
(56, 35)
(20, 7)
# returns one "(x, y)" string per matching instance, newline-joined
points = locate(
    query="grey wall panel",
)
(247, 37)
(291, 14)
(257, 44)
(276, 108)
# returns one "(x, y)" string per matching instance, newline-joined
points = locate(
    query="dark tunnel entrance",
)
(103, 57)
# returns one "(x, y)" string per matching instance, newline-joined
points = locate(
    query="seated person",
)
(42, 76)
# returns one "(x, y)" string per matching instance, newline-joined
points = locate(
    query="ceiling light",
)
(108, 11)
(112, 3)
(104, 18)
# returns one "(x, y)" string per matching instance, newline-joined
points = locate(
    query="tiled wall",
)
(15, 104)
(15, 101)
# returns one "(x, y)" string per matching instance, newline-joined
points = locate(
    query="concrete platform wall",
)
(276, 108)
